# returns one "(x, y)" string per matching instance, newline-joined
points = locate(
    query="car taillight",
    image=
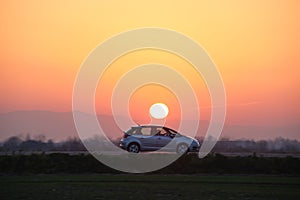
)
(125, 135)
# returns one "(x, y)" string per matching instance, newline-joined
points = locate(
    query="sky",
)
(255, 45)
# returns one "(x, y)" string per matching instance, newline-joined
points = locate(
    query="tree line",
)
(40, 143)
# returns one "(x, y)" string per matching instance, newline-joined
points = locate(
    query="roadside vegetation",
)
(188, 164)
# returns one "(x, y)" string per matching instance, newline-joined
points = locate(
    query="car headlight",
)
(195, 143)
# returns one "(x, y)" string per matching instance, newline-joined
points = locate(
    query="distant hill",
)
(60, 125)
(53, 125)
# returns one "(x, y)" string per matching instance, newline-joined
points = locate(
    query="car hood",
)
(190, 138)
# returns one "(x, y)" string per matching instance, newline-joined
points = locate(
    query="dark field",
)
(149, 187)
(64, 176)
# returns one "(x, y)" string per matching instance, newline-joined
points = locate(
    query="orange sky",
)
(255, 45)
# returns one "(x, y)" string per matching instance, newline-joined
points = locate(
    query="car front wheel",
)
(182, 148)
(133, 148)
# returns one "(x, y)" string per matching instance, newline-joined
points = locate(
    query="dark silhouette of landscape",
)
(40, 144)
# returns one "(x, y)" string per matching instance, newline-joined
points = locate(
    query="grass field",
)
(149, 187)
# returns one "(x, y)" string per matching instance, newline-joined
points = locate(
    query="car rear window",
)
(132, 131)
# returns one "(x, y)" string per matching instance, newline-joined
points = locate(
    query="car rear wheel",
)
(133, 148)
(182, 148)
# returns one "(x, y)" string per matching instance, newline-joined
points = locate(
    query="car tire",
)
(133, 148)
(182, 148)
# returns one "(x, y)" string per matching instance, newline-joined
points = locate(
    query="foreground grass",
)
(148, 187)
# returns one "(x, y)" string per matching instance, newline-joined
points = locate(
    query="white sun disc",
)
(159, 110)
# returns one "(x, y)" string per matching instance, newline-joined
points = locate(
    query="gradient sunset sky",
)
(255, 44)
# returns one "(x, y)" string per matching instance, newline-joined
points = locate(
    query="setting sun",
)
(159, 110)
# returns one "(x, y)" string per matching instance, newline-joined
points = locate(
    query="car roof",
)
(154, 126)
(150, 126)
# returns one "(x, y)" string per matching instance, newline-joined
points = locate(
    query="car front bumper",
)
(194, 148)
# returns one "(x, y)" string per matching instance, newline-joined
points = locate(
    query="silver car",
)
(152, 138)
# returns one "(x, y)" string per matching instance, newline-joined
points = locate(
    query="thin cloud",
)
(250, 103)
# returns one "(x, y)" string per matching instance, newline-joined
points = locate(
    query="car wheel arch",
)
(180, 144)
(134, 142)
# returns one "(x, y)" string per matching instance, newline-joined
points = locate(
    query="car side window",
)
(146, 131)
(155, 130)
(160, 131)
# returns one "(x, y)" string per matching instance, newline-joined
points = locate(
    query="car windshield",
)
(174, 132)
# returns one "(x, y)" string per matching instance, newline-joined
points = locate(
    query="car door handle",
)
(159, 138)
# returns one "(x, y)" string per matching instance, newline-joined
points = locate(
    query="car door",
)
(145, 138)
(162, 139)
